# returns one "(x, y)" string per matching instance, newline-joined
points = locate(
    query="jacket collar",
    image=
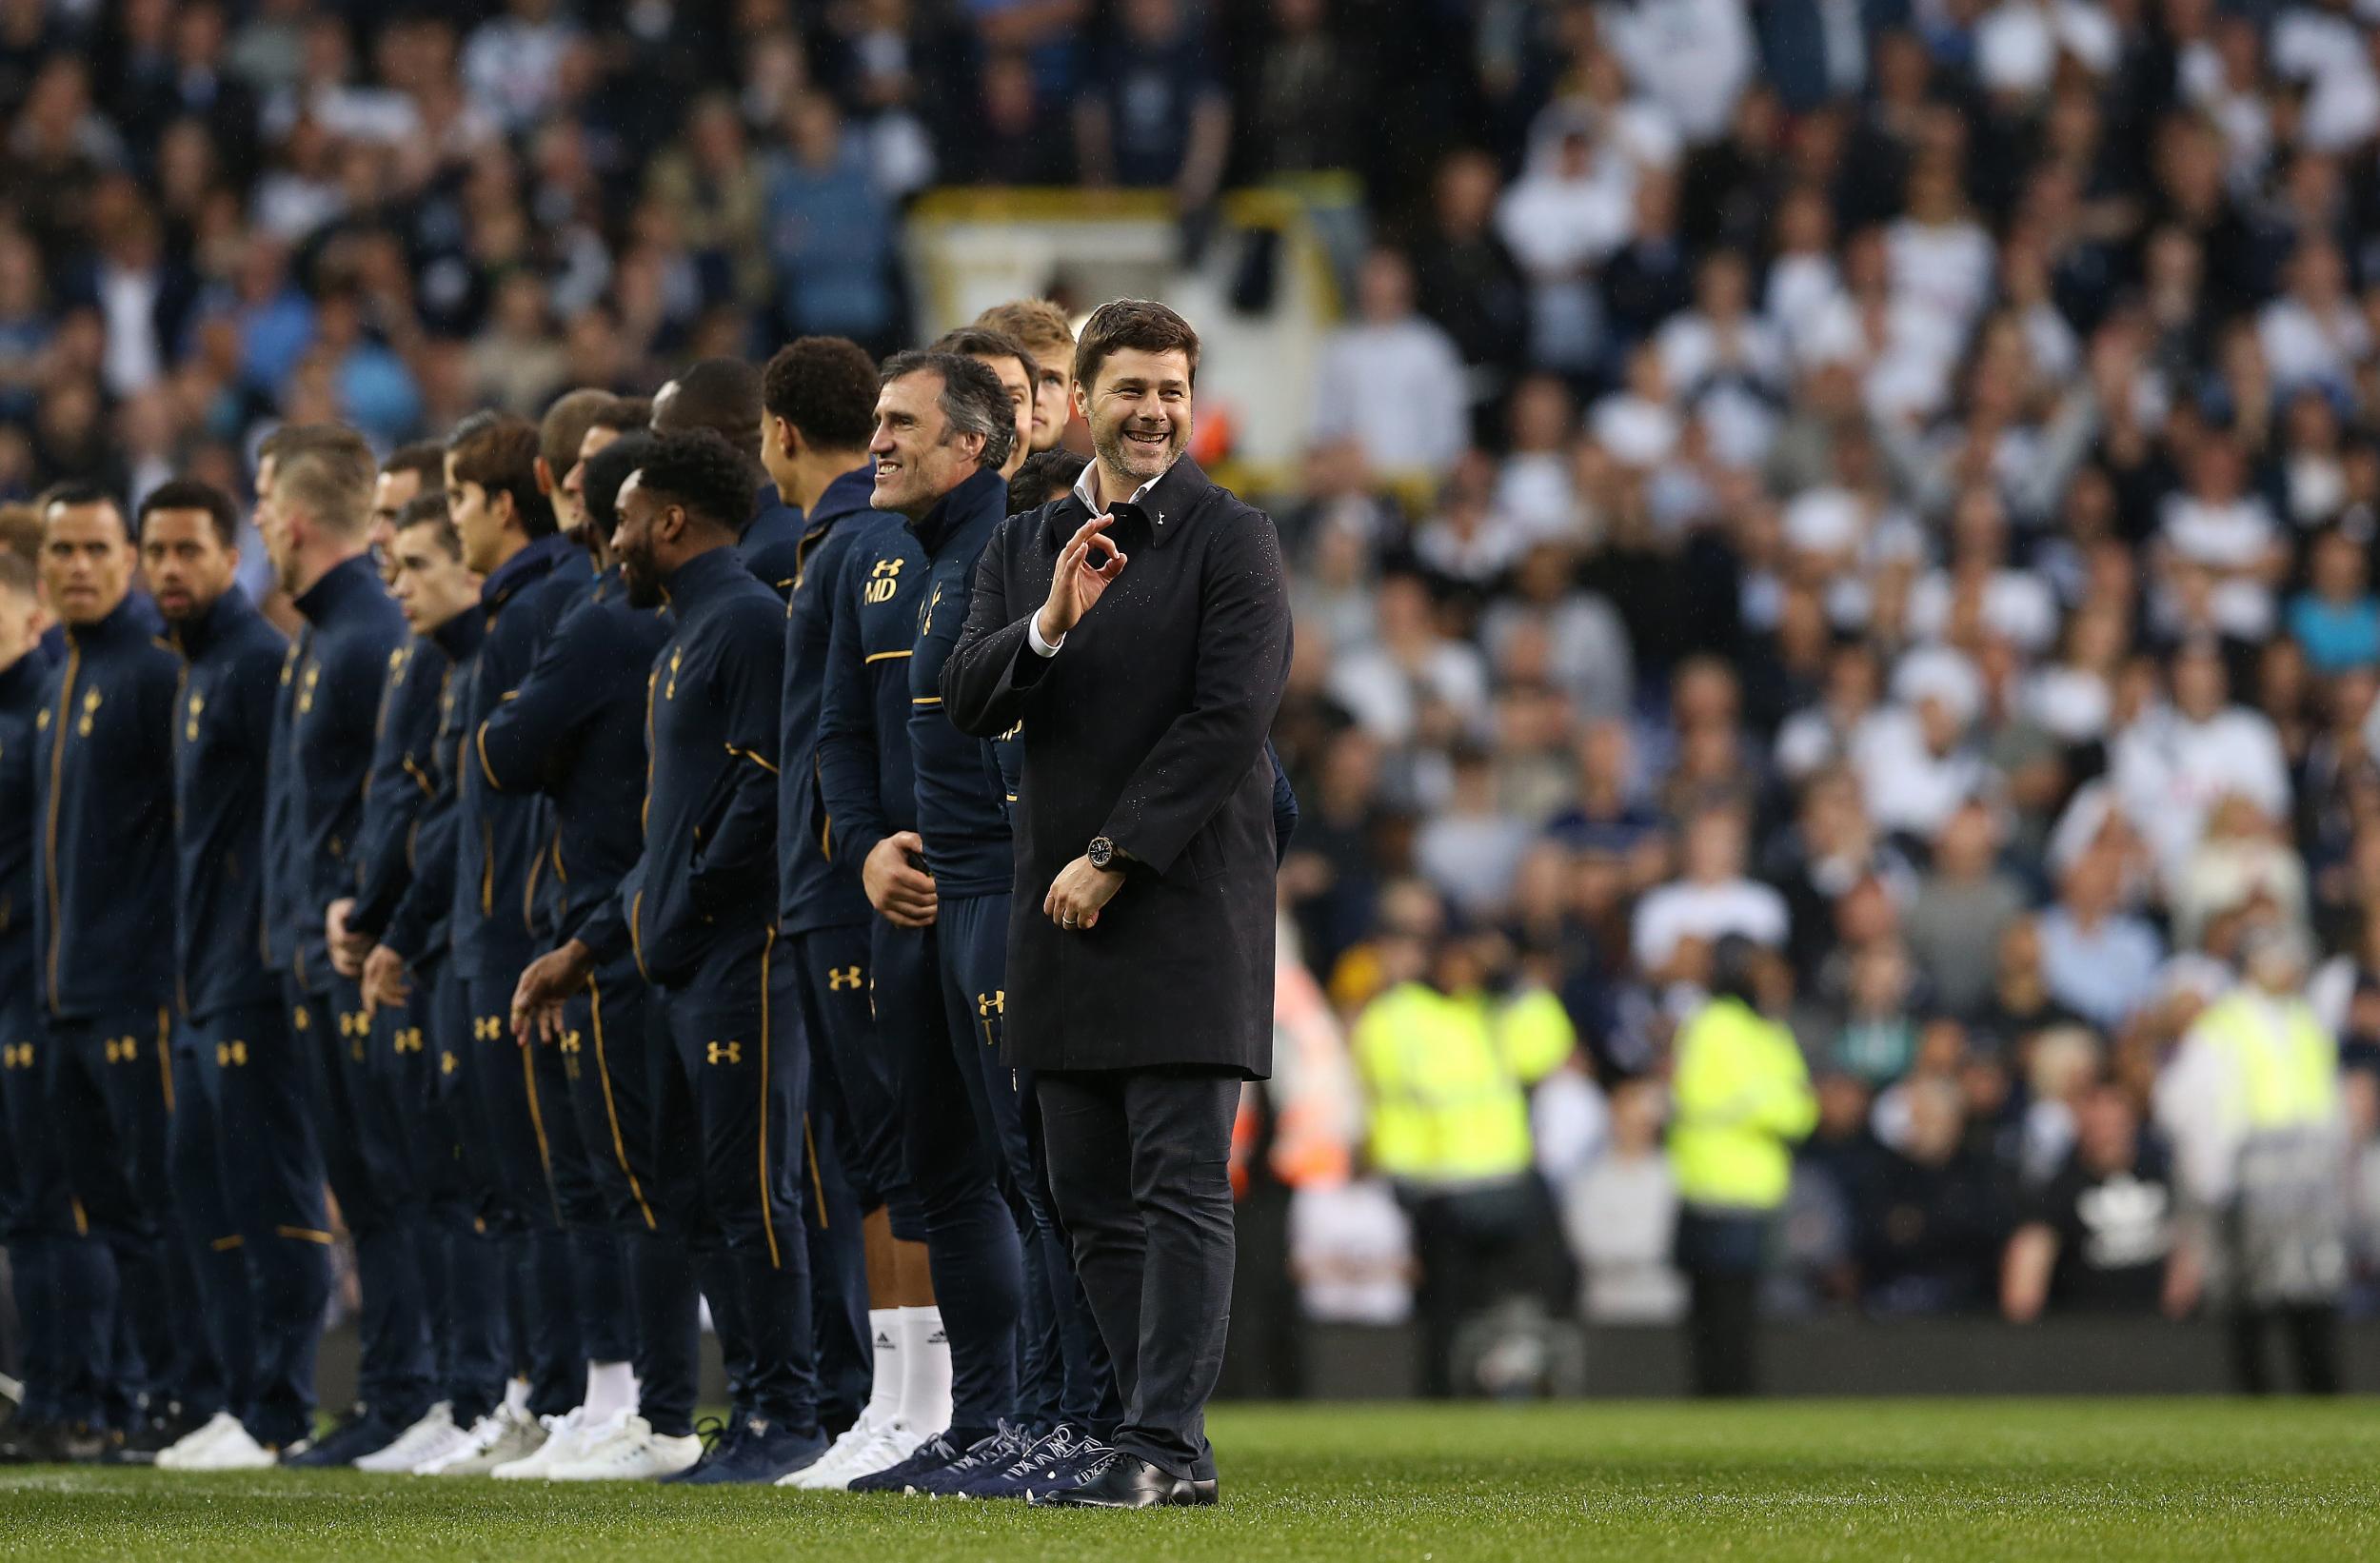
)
(21, 680)
(539, 560)
(134, 619)
(981, 498)
(705, 576)
(847, 496)
(1168, 502)
(225, 615)
(347, 582)
(460, 635)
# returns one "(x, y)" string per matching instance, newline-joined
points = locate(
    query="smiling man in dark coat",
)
(1138, 628)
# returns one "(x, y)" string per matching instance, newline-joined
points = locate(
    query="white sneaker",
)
(413, 1445)
(838, 1457)
(627, 1449)
(173, 1456)
(500, 1437)
(234, 1449)
(566, 1436)
(442, 1446)
(893, 1443)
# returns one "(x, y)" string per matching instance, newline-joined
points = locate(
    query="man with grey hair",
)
(943, 429)
(2251, 1103)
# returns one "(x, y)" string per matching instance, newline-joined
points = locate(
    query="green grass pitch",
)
(1922, 1479)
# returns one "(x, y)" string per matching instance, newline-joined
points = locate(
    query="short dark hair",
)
(1045, 475)
(826, 388)
(75, 493)
(973, 399)
(699, 470)
(603, 472)
(430, 510)
(623, 415)
(718, 394)
(565, 424)
(501, 457)
(988, 342)
(424, 459)
(191, 494)
(1141, 324)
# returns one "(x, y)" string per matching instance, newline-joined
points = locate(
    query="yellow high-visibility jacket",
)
(1741, 1097)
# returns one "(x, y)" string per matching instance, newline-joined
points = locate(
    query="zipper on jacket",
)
(57, 768)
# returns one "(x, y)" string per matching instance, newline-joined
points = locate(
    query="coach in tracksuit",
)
(531, 571)
(821, 396)
(699, 915)
(314, 519)
(871, 781)
(408, 824)
(104, 920)
(576, 732)
(28, 1171)
(247, 1170)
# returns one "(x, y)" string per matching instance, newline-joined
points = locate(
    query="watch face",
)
(1102, 850)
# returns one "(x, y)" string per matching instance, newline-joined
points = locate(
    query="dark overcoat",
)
(1147, 727)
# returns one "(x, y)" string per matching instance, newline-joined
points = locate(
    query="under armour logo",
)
(354, 1022)
(123, 1049)
(882, 581)
(16, 1055)
(448, 1063)
(726, 1052)
(840, 977)
(231, 1055)
(407, 1040)
(488, 1028)
(569, 1042)
(989, 1004)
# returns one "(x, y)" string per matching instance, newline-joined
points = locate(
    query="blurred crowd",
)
(1894, 479)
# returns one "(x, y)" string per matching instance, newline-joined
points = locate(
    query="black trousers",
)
(1472, 1247)
(2313, 1333)
(1140, 1163)
(1720, 1252)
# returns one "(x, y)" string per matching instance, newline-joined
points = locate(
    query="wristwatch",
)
(1102, 852)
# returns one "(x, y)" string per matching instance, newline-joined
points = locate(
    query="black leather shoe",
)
(1130, 1482)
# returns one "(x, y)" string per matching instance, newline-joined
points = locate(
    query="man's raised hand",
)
(1085, 565)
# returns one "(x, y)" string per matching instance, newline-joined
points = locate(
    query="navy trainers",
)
(932, 1455)
(360, 1434)
(1059, 1459)
(984, 1459)
(758, 1453)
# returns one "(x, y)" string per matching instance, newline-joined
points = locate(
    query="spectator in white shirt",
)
(1694, 57)
(2171, 766)
(1677, 925)
(1411, 670)
(2315, 332)
(1941, 258)
(2012, 602)
(1394, 380)
(1468, 540)
(2221, 527)
(1620, 1214)
(1535, 488)
(1561, 218)
(513, 63)
(1915, 762)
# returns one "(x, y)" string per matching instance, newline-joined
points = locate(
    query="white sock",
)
(517, 1396)
(883, 1397)
(925, 1370)
(611, 1389)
